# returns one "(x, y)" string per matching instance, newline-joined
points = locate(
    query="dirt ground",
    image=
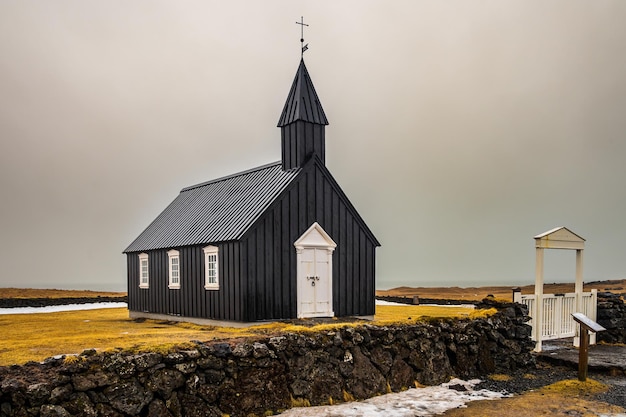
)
(506, 292)
(549, 391)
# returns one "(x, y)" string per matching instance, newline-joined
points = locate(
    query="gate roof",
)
(559, 238)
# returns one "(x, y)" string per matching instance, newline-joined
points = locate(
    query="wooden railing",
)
(557, 321)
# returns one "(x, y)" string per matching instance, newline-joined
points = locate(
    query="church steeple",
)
(302, 122)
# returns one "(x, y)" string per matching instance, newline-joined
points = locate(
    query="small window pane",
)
(174, 269)
(143, 270)
(211, 268)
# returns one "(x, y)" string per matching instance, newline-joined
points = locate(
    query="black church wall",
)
(271, 256)
(191, 299)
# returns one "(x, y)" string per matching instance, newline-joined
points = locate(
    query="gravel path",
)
(617, 393)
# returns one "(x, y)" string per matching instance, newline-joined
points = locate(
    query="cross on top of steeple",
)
(302, 25)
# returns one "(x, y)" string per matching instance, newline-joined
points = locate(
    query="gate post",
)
(538, 310)
(517, 295)
(593, 314)
(578, 289)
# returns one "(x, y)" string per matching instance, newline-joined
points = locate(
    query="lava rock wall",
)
(265, 375)
(611, 316)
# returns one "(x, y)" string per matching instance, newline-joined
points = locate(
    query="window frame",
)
(143, 257)
(210, 251)
(171, 255)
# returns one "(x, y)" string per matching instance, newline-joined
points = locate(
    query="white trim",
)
(307, 239)
(211, 267)
(143, 257)
(173, 255)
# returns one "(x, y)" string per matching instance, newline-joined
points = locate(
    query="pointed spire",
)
(302, 101)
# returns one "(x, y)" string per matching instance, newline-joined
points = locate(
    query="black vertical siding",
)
(300, 140)
(351, 266)
(132, 268)
(192, 299)
(271, 282)
(249, 248)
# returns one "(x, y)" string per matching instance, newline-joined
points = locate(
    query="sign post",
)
(586, 325)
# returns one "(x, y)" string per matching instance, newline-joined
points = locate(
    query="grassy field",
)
(35, 337)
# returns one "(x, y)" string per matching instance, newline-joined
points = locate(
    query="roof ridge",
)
(227, 177)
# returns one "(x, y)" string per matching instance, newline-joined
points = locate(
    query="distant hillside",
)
(478, 293)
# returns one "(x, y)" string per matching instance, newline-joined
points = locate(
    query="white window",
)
(143, 271)
(173, 257)
(211, 268)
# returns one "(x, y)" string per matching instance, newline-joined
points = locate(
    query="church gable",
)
(314, 195)
(270, 253)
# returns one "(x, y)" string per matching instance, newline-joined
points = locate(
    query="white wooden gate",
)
(551, 313)
(557, 321)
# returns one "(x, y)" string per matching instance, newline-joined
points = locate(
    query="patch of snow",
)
(391, 303)
(424, 402)
(450, 305)
(65, 307)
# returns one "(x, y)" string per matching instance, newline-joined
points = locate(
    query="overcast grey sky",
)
(459, 129)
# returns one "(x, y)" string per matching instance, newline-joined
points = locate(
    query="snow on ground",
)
(423, 402)
(65, 307)
(95, 306)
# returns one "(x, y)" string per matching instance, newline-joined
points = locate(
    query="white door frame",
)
(314, 238)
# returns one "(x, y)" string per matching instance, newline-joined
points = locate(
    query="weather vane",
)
(302, 25)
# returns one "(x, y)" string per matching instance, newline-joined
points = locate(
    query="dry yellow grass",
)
(395, 314)
(48, 293)
(35, 337)
(500, 377)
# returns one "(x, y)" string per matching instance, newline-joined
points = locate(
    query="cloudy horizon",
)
(459, 130)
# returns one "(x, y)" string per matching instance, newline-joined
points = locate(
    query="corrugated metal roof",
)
(302, 101)
(215, 211)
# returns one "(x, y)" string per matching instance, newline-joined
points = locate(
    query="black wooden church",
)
(275, 242)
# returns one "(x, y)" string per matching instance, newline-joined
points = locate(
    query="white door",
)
(314, 273)
(316, 291)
